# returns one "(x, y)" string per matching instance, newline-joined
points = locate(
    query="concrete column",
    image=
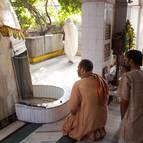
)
(133, 14)
(140, 31)
(97, 17)
(120, 16)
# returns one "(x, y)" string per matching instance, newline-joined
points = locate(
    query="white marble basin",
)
(49, 104)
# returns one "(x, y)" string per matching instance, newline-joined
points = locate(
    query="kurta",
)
(131, 89)
(89, 99)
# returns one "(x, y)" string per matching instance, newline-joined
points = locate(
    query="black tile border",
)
(7, 121)
(21, 133)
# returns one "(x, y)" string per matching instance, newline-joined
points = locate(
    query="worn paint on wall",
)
(8, 89)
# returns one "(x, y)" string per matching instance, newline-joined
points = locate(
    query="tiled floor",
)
(50, 133)
(59, 72)
(10, 129)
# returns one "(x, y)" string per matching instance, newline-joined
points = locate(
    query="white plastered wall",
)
(135, 15)
(8, 88)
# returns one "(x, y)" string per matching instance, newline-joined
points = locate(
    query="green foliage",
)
(26, 20)
(58, 11)
(129, 36)
(70, 6)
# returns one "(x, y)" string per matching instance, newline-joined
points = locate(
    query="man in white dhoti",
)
(71, 39)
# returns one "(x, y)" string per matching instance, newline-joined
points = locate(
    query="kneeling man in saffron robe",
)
(88, 107)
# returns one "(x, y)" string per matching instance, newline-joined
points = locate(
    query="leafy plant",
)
(25, 18)
(70, 6)
(121, 43)
(129, 36)
(53, 11)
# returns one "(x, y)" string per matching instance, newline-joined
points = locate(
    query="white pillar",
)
(7, 14)
(97, 18)
(133, 14)
(140, 29)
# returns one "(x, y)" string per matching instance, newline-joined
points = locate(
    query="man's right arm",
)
(75, 99)
(123, 107)
(124, 93)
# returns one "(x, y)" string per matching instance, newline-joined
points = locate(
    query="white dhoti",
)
(71, 39)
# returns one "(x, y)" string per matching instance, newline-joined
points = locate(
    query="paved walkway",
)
(59, 72)
(50, 133)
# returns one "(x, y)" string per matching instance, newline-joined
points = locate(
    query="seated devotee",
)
(88, 107)
(131, 93)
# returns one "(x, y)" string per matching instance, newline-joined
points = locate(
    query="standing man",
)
(71, 40)
(88, 107)
(131, 93)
